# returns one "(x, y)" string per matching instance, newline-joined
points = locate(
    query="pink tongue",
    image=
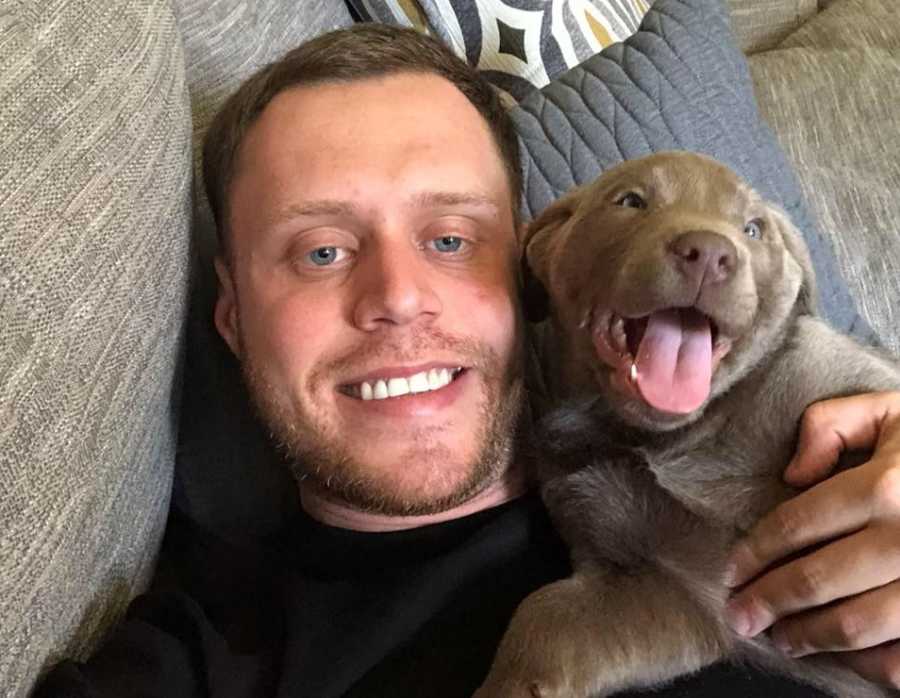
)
(674, 361)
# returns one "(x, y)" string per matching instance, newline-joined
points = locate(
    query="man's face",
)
(374, 252)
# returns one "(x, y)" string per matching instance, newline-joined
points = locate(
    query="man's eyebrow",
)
(323, 207)
(337, 207)
(431, 199)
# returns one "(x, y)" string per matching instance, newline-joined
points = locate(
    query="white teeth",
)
(397, 387)
(634, 373)
(421, 382)
(418, 383)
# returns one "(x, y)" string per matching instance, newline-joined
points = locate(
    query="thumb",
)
(832, 427)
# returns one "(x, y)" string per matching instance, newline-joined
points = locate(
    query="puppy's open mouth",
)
(666, 358)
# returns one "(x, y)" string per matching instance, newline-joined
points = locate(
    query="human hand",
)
(839, 591)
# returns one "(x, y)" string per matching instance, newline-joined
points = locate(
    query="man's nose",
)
(394, 287)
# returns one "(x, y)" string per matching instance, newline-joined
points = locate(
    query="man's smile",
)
(393, 383)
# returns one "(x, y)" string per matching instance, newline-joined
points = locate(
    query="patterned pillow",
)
(519, 44)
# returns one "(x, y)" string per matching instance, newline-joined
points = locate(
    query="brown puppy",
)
(682, 335)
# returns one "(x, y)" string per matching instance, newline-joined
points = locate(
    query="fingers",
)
(849, 566)
(832, 508)
(860, 622)
(831, 427)
(879, 664)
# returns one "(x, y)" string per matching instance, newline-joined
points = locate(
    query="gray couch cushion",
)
(831, 93)
(679, 83)
(94, 219)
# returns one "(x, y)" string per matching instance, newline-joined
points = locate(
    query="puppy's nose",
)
(704, 255)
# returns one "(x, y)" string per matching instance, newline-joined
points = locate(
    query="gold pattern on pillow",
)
(521, 45)
(414, 14)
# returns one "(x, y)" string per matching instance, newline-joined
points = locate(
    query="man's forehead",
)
(324, 120)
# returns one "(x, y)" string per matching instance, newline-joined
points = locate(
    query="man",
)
(365, 189)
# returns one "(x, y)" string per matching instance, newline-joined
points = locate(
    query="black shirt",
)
(323, 612)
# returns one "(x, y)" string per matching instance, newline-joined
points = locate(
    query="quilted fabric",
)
(94, 221)
(679, 83)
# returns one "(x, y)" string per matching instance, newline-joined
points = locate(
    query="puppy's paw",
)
(550, 649)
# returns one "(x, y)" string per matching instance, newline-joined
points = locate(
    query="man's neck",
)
(335, 513)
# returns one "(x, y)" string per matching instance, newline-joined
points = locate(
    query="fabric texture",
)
(520, 45)
(94, 220)
(761, 24)
(831, 93)
(678, 84)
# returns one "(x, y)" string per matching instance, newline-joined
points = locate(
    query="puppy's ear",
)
(807, 300)
(542, 243)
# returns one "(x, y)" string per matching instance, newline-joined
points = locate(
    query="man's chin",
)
(429, 483)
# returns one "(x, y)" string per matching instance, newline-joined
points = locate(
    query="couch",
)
(118, 405)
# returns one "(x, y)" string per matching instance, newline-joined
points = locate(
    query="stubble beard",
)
(318, 457)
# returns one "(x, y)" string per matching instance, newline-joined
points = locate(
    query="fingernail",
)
(730, 574)
(738, 618)
(793, 474)
(737, 562)
(790, 470)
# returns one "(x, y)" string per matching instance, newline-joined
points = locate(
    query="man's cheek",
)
(282, 342)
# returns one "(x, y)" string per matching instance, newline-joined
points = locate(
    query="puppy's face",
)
(668, 279)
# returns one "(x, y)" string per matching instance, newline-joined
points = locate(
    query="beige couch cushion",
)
(830, 93)
(94, 216)
(762, 24)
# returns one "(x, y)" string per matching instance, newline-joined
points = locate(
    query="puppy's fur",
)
(651, 500)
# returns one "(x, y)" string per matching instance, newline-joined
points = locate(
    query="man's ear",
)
(542, 242)
(807, 300)
(226, 310)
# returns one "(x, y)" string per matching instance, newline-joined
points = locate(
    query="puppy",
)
(683, 340)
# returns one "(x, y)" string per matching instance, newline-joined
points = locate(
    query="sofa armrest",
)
(762, 24)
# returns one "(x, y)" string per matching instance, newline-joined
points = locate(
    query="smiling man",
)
(365, 189)
(370, 290)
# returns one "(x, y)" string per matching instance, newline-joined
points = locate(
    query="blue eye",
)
(448, 243)
(754, 228)
(323, 256)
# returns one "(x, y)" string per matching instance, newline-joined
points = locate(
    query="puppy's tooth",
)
(617, 331)
(586, 320)
(634, 373)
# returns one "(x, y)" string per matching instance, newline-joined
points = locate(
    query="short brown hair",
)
(359, 52)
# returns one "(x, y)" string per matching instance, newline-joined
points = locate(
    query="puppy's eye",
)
(754, 228)
(631, 200)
